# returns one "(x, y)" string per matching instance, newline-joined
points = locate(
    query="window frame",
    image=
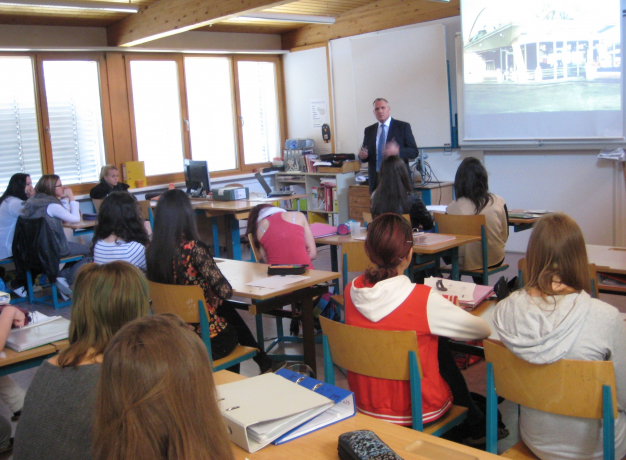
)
(41, 100)
(120, 81)
(182, 97)
(280, 102)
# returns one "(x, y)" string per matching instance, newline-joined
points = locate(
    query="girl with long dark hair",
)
(12, 202)
(177, 256)
(120, 233)
(395, 194)
(471, 187)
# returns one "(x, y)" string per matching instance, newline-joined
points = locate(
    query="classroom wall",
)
(76, 37)
(591, 190)
(306, 80)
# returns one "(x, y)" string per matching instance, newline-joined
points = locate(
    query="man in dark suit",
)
(387, 137)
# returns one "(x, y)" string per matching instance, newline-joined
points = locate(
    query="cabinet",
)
(309, 183)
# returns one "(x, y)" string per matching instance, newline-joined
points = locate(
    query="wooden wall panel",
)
(379, 15)
(120, 110)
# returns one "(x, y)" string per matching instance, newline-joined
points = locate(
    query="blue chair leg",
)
(608, 424)
(416, 393)
(492, 412)
(329, 369)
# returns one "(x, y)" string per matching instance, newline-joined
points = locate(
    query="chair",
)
(353, 259)
(97, 203)
(188, 303)
(392, 355)
(367, 217)
(146, 211)
(593, 276)
(472, 226)
(36, 250)
(566, 387)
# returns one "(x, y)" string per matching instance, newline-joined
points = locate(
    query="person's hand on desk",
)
(391, 148)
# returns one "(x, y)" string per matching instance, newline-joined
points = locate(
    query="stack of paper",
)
(43, 330)
(5, 298)
(430, 239)
(470, 295)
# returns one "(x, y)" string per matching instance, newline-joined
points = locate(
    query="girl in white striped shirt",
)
(120, 233)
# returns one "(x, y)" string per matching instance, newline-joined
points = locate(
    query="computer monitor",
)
(197, 177)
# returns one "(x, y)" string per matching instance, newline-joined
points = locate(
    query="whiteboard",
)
(408, 67)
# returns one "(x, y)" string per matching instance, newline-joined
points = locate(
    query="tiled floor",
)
(475, 375)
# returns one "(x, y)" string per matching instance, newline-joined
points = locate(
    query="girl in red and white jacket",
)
(384, 298)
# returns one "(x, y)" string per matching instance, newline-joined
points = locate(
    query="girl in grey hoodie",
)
(554, 318)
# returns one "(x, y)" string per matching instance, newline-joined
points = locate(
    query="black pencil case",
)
(364, 445)
(286, 269)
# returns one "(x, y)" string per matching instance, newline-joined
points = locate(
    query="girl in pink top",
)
(282, 237)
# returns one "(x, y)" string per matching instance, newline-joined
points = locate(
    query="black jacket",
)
(400, 131)
(103, 189)
(35, 248)
(415, 207)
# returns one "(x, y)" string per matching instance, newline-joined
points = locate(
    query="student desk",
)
(608, 260)
(422, 254)
(82, 227)
(239, 273)
(322, 444)
(521, 223)
(16, 362)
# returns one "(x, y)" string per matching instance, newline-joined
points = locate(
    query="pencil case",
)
(364, 445)
(286, 269)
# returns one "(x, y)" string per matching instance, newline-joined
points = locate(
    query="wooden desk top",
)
(239, 273)
(264, 199)
(460, 240)
(13, 357)
(608, 259)
(80, 225)
(322, 444)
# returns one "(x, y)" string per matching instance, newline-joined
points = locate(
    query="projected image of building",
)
(553, 44)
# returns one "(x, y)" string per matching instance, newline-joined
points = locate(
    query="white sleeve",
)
(16, 208)
(57, 210)
(447, 320)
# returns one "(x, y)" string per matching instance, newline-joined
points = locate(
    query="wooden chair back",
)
(145, 209)
(566, 387)
(354, 259)
(97, 203)
(254, 249)
(367, 217)
(460, 225)
(180, 300)
(371, 352)
(593, 276)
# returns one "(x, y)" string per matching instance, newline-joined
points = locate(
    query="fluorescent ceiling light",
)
(69, 5)
(309, 19)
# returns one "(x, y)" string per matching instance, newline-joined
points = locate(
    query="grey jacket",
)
(37, 206)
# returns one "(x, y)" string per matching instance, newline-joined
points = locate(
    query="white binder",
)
(262, 408)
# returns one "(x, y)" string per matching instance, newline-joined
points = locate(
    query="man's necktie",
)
(381, 147)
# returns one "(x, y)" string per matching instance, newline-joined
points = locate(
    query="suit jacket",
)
(401, 132)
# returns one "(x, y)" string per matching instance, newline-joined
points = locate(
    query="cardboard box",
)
(231, 193)
(347, 166)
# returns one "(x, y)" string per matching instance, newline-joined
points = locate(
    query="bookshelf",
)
(311, 184)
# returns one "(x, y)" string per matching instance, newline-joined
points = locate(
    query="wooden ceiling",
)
(160, 18)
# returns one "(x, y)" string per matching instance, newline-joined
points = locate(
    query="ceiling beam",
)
(378, 15)
(169, 17)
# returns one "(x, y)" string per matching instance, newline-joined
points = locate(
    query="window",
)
(157, 115)
(74, 119)
(19, 138)
(210, 102)
(258, 111)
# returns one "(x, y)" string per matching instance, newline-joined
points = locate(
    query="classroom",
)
(229, 82)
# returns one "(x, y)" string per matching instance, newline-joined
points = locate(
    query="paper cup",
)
(139, 183)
